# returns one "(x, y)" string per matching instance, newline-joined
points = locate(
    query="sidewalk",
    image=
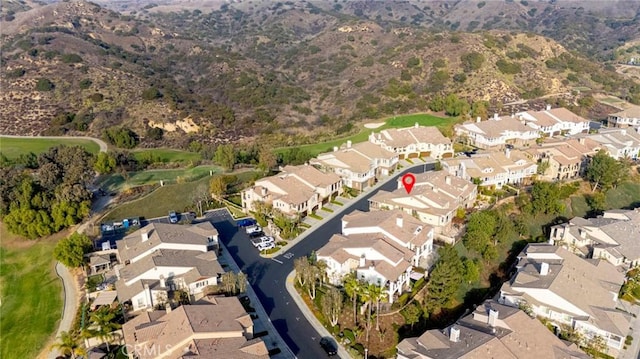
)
(273, 337)
(326, 216)
(342, 352)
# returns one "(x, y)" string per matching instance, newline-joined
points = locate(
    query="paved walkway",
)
(99, 142)
(70, 307)
(273, 338)
(315, 323)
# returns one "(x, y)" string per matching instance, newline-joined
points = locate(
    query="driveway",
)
(268, 276)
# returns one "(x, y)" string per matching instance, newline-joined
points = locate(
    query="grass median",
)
(13, 147)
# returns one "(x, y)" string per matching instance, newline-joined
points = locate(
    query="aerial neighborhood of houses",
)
(572, 281)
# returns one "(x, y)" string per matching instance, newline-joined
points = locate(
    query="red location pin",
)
(408, 181)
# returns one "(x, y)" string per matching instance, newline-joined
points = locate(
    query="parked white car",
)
(253, 229)
(262, 240)
(265, 246)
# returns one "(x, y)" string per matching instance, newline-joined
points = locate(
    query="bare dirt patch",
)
(374, 125)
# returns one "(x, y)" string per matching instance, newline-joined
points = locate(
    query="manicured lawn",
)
(164, 199)
(392, 122)
(31, 296)
(13, 147)
(167, 155)
(169, 176)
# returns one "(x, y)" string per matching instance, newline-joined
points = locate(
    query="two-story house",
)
(553, 122)
(297, 190)
(497, 132)
(629, 117)
(413, 142)
(160, 258)
(493, 169)
(492, 330)
(434, 199)
(381, 247)
(618, 142)
(567, 159)
(213, 327)
(358, 165)
(569, 290)
(614, 237)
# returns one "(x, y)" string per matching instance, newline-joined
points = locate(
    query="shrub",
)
(15, 73)
(44, 85)
(121, 137)
(507, 67)
(155, 133)
(96, 97)
(151, 93)
(472, 61)
(71, 58)
(85, 84)
(413, 62)
(281, 243)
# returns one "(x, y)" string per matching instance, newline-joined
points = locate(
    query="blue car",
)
(246, 222)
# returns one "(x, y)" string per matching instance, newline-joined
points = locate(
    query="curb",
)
(262, 314)
(315, 323)
(339, 211)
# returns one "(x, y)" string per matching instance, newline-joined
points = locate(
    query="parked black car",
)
(329, 346)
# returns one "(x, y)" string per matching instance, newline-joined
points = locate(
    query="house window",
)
(140, 303)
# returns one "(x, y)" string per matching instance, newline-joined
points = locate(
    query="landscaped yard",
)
(31, 295)
(13, 147)
(176, 197)
(392, 122)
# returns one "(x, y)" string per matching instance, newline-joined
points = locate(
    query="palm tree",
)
(68, 344)
(103, 324)
(377, 294)
(367, 297)
(352, 287)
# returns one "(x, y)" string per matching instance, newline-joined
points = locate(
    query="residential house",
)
(629, 117)
(413, 142)
(297, 190)
(491, 331)
(493, 169)
(201, 237)
(381, 247)
(358, 165)
(434, 199)
(614, 237)
(160, 258)
(567, 159)
(497, 132)
(569, 290)
(553, 122)
(618, 142)
(213, 327)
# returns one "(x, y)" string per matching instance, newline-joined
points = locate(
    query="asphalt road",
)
(268, 276)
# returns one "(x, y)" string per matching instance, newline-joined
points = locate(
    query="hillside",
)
(283, 71)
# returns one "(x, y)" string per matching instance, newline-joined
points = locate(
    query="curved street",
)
(268, 276)
(70, 306)
(103, 145)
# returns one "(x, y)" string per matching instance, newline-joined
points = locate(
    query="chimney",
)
(145, 235)
(264, 191)
(507, 152)
(362, 261)
(493, 316)
(478, 119)
(163, 282)
(548, 107)
(447, 179)
(147, 294)
(399, 221)
(416, 125)
(454, 334)
(583, 233)
(335, 148)
(495, 116)
(167, 308)
(349, 144)
(544, 268)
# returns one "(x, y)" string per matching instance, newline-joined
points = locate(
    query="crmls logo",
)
(143, 350)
